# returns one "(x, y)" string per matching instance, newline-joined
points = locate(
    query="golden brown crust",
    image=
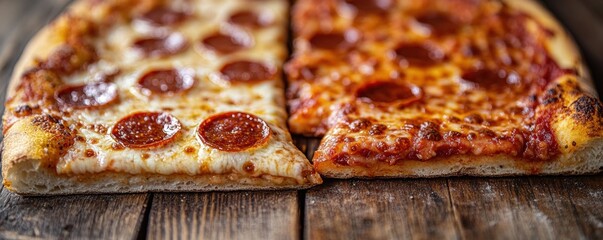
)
(42, 181)
(579, 120)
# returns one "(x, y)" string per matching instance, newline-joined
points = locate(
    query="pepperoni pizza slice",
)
(448, 87)
(149, 95)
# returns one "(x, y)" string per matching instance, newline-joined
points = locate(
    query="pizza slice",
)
(148, 95)
(439, 88)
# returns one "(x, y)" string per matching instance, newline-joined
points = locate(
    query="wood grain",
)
(528, 208)
(380, 209)
(75, 217)
(225, 215)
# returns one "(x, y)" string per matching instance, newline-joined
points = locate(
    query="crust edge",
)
(48, 183)
(562, 46)
(573, 163)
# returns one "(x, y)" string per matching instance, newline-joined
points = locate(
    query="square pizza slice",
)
(150, 95)
(435, 88)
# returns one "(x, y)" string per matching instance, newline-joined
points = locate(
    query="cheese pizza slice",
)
(435, 88)
(149, 95)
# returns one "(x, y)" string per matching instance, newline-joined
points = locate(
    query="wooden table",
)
(441, 208)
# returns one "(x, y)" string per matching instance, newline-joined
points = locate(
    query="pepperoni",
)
(146, 129)
(248, 19)
(161, 46)
(233, 131)
(87, 96)
(163, 16)
(489, 79)
(167, 81)
(389, 92)
(247, 71)
(370, 6)
(419, 55)
(332, 40)
(440, 24)
(225, 44)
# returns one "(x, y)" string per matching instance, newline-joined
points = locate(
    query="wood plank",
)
(585, 195)
(225, 215)
(380, 209)
(78, 217)
(528, 207)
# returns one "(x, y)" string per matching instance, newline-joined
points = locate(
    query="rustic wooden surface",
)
(443, 208)
(235, 215)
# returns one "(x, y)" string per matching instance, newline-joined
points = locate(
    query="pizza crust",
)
(574, 163)
(561, 45)
(42, 181)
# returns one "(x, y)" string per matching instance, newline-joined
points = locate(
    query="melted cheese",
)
(209, 95)
(489, 35)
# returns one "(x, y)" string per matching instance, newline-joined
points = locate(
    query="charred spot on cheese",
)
(161, 46)
(474, 119)
(69, 58)
(402, 94)
(587, 109)
(146, 129)
(377, 129)
(490, 79)
(249, 19)
(25, 110)
(166, 81)
(245, 71)
(418, 55)
(359, 124)
(233, 131)
(370, 6)
(333, 40)
(89, 153)
(226, 43)
(87, 96)
(39, 84)
(61, 136)
(248, 167)
(430, 131)
(162, 16)
(551, 96)
(190, 150)
(439, 24)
